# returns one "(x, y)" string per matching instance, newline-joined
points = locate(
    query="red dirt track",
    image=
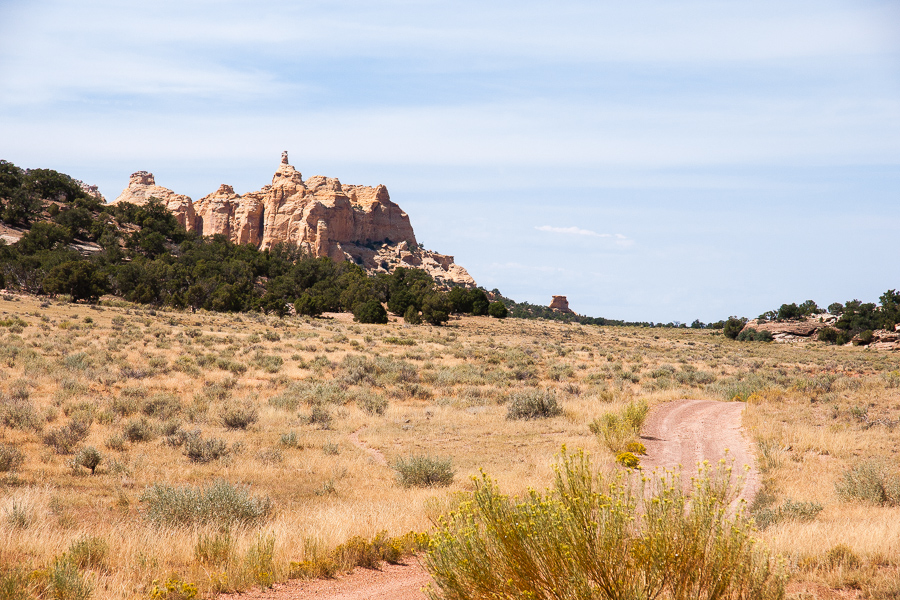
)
(680, 433)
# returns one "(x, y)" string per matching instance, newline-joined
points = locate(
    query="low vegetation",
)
(186, 501)
(582, 539)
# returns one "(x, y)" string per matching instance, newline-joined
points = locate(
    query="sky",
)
(650, 160)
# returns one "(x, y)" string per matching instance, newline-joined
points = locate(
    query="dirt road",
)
(686, 432)
(683, 432)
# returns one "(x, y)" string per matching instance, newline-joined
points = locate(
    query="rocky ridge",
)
(320, 215)
(794, 330)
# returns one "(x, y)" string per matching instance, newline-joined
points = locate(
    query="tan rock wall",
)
(320, 215)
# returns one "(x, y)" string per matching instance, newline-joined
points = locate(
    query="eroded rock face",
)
(142, 186)
(560, 303)
(793, 329)
(320, 215)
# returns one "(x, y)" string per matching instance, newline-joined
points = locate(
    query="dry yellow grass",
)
(447, 390)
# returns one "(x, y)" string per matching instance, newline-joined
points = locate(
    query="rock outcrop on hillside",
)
(792, 329)
(561, 304)
(142, 186)
(882, 339)
(320, 215)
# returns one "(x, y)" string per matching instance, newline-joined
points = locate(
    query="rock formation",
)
(561, 304)
(90, 190)
(321, 215)
(792, 329)
(142, 187)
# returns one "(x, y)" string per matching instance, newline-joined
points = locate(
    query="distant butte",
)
(321, 216)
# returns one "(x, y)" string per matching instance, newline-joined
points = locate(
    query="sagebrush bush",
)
(372, 404)
(788, 511)
(218, 502)
(239, 416)
(64, 439)
(581, 539)
(201, 450)
(321, 416)
(871, 481)
(89, 458)
(269, 363)
(139, 430)
(289, 439)
(11, 458)
(161, 406)
(19, 413)
(533, 404)
(424, 471)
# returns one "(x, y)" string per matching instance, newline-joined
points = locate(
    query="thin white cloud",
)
(618, 239)
(575, 231)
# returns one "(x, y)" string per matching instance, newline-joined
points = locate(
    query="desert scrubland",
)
(143, 448)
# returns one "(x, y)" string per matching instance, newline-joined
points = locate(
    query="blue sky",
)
(650, 160)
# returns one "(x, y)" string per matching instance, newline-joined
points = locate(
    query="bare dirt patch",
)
(392, 582)
(683, 433)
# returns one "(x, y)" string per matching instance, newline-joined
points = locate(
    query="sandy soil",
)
(680, 433)
(686, 432)
(392, 582)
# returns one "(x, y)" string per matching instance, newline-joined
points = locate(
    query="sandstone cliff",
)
(320, 215)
